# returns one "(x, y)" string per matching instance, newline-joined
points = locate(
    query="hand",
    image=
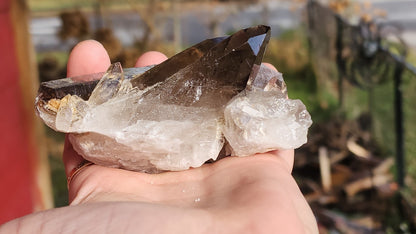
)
(254, 194)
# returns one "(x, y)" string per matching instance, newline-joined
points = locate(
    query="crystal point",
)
(218, 74)
(182, 112)
(108, 85)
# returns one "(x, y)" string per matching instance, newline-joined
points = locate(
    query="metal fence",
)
(359, 56)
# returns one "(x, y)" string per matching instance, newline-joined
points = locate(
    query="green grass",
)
(60, 56)
(409, 95)
(50, 6)
(60, 191)
(409, 89)
(58, 176)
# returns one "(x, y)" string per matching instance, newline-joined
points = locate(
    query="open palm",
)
(255, 194)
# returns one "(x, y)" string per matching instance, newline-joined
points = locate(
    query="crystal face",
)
(182, 112)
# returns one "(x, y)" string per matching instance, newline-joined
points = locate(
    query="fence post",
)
(340, 62)
(398, 110)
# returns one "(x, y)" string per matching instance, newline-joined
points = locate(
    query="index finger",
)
(87, 57)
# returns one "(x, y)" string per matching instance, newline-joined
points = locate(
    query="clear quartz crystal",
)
(262, 118)
(149, 140)
(120, 126)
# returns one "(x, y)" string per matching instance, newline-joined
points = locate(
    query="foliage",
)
(289, 53)
(74, 24)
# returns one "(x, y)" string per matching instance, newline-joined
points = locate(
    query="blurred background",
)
(350, 62)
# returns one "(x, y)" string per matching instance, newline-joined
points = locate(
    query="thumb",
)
(87, 57)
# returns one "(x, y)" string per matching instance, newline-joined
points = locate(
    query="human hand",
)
(254, 194)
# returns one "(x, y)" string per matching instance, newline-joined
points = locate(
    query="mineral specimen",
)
(181, 113)
(262, 118)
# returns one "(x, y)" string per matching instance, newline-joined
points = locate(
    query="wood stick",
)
(325, 167)
(367, 182)
(357, 149)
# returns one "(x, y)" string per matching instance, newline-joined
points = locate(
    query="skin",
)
(255, 194)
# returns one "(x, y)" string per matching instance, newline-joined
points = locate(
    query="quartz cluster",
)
(211, 99)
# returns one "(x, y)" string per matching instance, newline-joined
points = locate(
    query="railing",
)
(361, 56)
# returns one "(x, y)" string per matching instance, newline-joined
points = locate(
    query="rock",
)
(175, 115)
